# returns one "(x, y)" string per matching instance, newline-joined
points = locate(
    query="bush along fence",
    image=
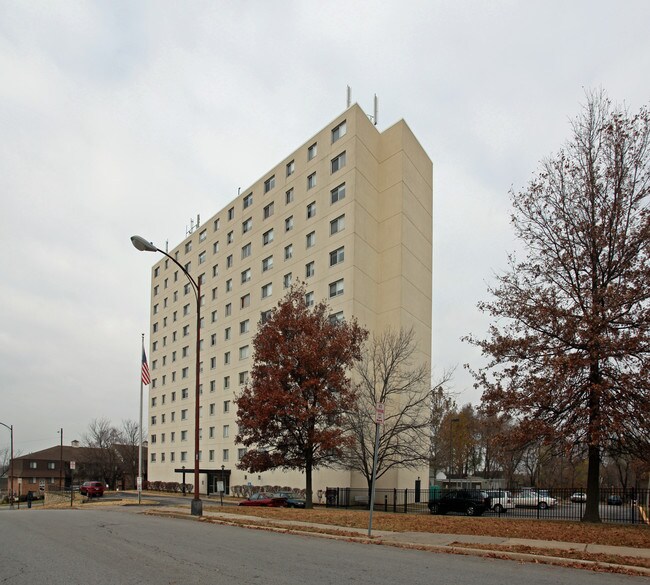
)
(615, 505)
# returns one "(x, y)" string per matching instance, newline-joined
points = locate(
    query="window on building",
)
(287, 280)
(267, 290)
(228, 309)
(229, 261)
(226, 406)
(337, 317)
(311, 239)
(243, 352)
(310, 269)
(215, 224)
(231, 213)
(288, 252)
(288, 196)
(243, 378)
(288, 224)
(248, 200)
(226, 431)
(186, 310)
(240, 453)
(336, 288)
(230, 238)
(309, 299)
(229, 285)
(185, 393)
(337, 225)
(267, 263)
(311, 210)
(225, 454)
(227, 332)
(269, 184)
(267, 237)
(244, 326)
(183, 435)
(245, 301)
(246, 275)
(291, 168)
(215, 270)
(338, 162)
(212, 407)
(226, 382)
(188, 246)
(183, 456)
(186, 330)
(311, 181)
(339, 131)
(247, 225)
(246, 251)
(268, 210)
(185, 372)
(265, 316)
(312, 151)
(211, 454)
(337, 256)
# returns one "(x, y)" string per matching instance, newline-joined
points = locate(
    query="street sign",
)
(380, 410)
(139, 480)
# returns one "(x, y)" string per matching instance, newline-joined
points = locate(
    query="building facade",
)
(349, 213)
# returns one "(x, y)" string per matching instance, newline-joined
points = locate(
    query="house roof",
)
(67, 453)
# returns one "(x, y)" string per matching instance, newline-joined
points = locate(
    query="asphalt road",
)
(115, 546)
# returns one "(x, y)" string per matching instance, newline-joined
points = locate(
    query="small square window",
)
(338, 162)
(247, 225)
(288, 197)
(337, 193)
(246, 251)
(268, 210)
(244, 326)
(248, 200)
(309, 299)
(312, 151)
(246, 276)
(311, 239)
(336, 288)
(245, 301)
(339, 131)
(311, 210)
(288, 252)
(243, 352)
(287, 280)
(337, 225)
(267, 263)
(311, 181)
(231, 213)
(291, 168)
(310, 269)
(188, 246)
(267, 290)
(288, 224)
(269, 184)
(337, 256)
(267, 237)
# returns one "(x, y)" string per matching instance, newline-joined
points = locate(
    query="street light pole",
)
(61, 462)
(451, 446)
(11, 464)
(144, 246)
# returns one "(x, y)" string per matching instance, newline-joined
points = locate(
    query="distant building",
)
(50, 469)
(349, 212)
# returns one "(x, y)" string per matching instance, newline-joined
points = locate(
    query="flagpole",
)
(139, 480)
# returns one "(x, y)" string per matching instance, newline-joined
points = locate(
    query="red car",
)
(264, 499)
(92, 489)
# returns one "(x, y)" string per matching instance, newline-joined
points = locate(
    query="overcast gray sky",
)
(121, 118)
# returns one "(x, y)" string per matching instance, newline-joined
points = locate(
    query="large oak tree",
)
(569, 344)
(289, 414)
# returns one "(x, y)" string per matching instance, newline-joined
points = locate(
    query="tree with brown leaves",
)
(289, 414)
(570, 344)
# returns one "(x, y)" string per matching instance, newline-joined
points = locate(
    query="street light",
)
(144, 246)
(11, 465)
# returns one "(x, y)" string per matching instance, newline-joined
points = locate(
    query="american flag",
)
(146, 378)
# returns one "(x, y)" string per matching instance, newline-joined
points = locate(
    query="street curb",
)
(448, 549)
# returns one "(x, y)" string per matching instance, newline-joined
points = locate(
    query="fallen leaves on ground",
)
(637, 536)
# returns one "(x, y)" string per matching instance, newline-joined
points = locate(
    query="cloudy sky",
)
(121, 118)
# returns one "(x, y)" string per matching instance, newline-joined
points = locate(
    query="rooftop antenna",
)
(375, 111)
(349, 96)
(198, 221)
(166, 245)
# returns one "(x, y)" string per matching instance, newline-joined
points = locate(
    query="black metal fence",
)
(615, 505)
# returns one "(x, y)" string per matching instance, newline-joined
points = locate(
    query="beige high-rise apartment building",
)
(349, 213)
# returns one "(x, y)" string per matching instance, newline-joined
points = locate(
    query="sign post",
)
(380, 411)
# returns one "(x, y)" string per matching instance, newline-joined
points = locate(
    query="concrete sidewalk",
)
(457, 543)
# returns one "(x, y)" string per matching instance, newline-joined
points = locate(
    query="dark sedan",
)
(468, 502)
(264, 499)
(292, 500)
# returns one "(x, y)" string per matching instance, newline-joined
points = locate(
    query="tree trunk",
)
(308, 484)
(592, 511)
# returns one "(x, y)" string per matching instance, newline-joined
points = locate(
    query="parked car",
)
(615, 500)
(264, 499)
(292, 500)
(533, 499)
(468, 502)
(92, 489)
(501, 501)
(578, 497)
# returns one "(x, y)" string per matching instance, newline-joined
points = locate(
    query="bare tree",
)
(103, 436)
(388, 373)
(442, 405)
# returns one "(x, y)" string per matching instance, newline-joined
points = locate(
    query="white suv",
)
(501, 501)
